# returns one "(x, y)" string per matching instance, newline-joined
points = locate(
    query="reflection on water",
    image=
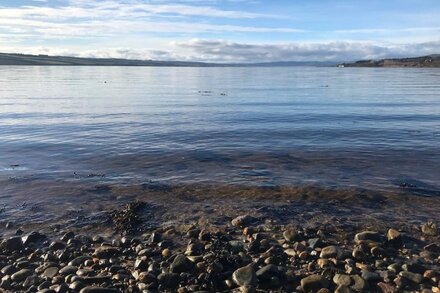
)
(372, 128)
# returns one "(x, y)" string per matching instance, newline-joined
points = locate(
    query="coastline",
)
(247, 239)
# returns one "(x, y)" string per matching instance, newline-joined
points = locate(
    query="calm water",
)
(371, 128)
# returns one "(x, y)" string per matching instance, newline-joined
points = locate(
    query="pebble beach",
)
(272, 248)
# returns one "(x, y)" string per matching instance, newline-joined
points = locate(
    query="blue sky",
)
(222, 30)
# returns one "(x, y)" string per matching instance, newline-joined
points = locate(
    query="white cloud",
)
(220, 50)
(225, 51)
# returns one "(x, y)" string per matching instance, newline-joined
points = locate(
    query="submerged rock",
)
(429, 229)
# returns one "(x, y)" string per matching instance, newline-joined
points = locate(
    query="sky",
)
(222, 30)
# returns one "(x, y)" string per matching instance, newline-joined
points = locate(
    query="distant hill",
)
(45, 60)
(424, 61)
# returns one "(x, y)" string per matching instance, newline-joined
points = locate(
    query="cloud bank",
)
(223, 51)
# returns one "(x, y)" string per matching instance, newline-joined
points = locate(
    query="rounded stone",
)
(313, 283)
(245, 276)
(21, 275)
(50, 272)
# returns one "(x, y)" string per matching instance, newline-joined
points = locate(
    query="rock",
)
(368, 236)
(267, 272)
(8, 270)
(242, 221)
(314, 243)
(291, 235)
(313, 283)
(21, 275)
(413, 277)
(155, 238)
(5, 284)
(50, 272)
(377, 251)
(325, 263)
(168, 280)
(245, 276)
(31, 281)
(12, 244)
(181, 264)
(33, 237)
(47, 290)
(67, 236)
(141, 264)
(359, 284)
(386, 288)
(204, 235)
(370, 276)
(79, 260)
(166, 253)
(57, 245)
(92, 289)
(342, 289)
(236, 246)
(394, 238)
(106, 251)
(429, 229)
(290, 252)
(329, 252)
(68, 270)
(96, 280)
(77, 286)
(432, 248)
(358, 254)
(342, 280)
(414, 267)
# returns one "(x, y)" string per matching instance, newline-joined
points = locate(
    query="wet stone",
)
(13, 244)
(33, 237)
(57, 245)
(5, 284)
(79, 260)
(21, 275)
(50, 272)
(77, 286)
(68, 270)
(8, 270)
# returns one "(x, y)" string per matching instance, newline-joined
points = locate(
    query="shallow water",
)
(299, 126)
